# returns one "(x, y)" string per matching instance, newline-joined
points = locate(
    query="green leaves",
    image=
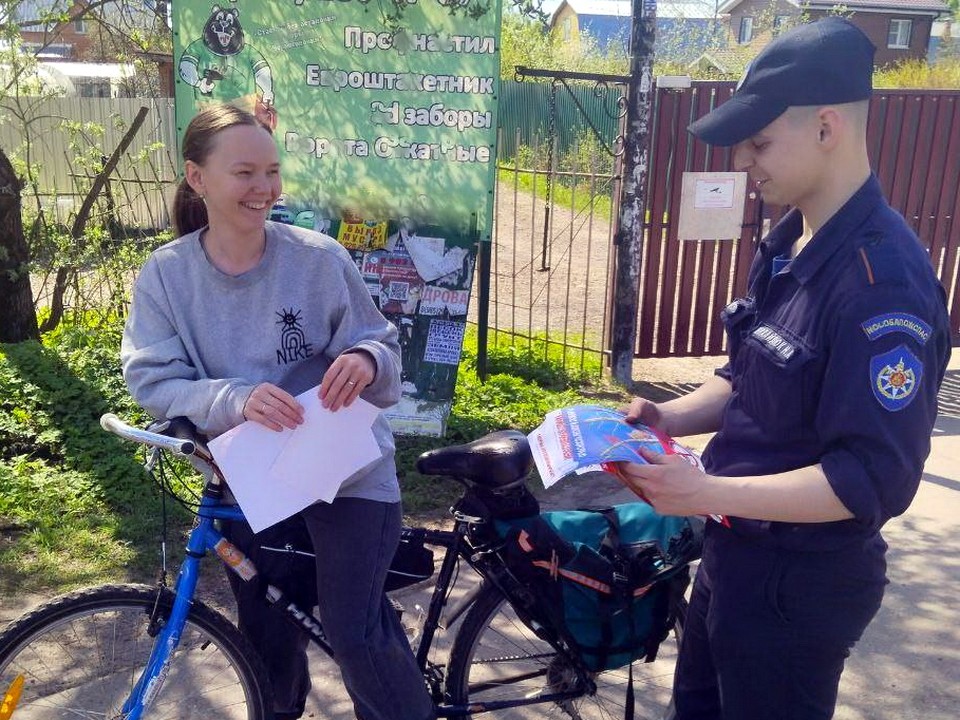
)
(78, 495)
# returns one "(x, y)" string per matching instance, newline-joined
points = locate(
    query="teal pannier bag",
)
(604, 579)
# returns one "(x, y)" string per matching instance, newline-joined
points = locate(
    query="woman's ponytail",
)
(189, 211)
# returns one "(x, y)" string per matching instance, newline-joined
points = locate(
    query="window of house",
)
(898, 36)
(62, 51)
(79, 26)
(91, 87)
(780, 23)
(566, 29)
(746, 30)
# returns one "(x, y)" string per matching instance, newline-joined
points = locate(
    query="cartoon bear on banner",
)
(222, 66)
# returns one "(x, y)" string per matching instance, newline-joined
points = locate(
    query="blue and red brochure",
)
(583, 438)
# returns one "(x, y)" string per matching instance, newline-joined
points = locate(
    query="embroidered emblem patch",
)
(895, 377)
(877, 327)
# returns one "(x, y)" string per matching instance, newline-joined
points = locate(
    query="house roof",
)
(113, 71)
(900, 7)
(606, 8)
(728, 60)
(622, 8)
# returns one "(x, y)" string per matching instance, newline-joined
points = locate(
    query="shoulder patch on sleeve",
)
(880, 325)
(895, 376)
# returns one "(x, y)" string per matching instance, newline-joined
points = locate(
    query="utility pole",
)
(629, 238)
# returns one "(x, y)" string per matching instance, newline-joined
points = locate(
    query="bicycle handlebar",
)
(111, 423)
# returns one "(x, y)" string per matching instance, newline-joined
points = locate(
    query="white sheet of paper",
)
(276, 474)
(714, 193)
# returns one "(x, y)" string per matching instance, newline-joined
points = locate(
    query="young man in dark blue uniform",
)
(823, 413)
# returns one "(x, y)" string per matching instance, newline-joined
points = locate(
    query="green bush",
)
(75, 505)
(74, 502)
(943, 74)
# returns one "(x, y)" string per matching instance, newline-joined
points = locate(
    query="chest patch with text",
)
(774, 342)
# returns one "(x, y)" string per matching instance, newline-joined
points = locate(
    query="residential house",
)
(944, 39)
(900, 29)
(69, 40)
(78, 42)
(684, 28)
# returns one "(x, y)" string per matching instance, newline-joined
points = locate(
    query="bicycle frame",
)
(204, 538)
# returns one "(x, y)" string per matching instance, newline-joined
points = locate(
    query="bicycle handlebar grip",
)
(182, 446)
(111, 423)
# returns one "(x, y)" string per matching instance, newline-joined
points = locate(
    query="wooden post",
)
(629, 236)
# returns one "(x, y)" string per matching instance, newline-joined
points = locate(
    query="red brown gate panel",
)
(914, 145)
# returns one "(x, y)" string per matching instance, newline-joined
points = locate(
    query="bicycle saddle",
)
(497, 460)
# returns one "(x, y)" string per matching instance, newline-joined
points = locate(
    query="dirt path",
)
(568, 299)
(537, 290)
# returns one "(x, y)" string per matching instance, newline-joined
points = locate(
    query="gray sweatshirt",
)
(197, 341)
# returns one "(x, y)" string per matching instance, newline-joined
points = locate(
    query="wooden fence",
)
(140, 187)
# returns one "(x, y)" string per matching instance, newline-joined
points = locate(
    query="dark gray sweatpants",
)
(354, 541)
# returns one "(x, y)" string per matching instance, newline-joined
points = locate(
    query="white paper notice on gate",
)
(276, 474)
(711, 205)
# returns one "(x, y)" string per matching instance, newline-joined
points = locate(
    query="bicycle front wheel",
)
(496, 657)
(81, 655)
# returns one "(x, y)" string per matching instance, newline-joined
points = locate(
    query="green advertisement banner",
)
(384, 114)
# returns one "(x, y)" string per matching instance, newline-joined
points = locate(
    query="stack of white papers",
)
(274, 475)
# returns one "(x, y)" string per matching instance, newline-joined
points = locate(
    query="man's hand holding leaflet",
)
(584, 436)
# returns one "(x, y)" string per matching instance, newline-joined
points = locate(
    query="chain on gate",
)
(602, 83)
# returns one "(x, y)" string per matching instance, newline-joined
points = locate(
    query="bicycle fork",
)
(168, 631)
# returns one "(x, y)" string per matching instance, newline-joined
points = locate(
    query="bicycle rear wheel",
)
(496, 657)
(81, 654)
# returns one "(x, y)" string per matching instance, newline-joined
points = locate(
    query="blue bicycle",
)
(134, 651)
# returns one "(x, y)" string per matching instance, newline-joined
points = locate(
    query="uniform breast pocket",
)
(778, 386)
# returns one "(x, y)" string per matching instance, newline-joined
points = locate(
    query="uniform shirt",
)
(197, 341)
(836, 359)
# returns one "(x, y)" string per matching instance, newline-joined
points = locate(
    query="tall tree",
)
(18, 321)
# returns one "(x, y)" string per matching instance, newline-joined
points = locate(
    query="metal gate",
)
(914, 145)
(551, 265)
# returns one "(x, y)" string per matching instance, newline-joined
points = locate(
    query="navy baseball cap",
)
(826, 62)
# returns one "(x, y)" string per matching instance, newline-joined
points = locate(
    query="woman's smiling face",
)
(239, 179)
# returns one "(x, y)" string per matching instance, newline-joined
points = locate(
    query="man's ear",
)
(193, 174)
(830, 126)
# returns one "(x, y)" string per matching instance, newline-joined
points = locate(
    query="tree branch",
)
(65, 273)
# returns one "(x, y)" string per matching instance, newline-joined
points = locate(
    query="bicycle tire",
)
(495, 656)
(81, 654)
